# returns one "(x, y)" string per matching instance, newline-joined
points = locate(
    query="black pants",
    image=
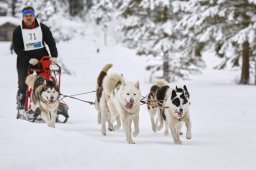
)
(22, 87)
(22, 74)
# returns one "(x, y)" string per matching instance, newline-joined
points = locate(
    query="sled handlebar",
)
(33, 68)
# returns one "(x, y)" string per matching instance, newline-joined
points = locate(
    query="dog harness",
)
(32, 38)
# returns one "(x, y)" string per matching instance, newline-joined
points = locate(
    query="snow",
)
(63, 28)
(222, 113)
(3, 5)
(12, 20)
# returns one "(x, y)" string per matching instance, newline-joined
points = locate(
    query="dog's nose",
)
(131, 100)
(52, 98)
(181, 110)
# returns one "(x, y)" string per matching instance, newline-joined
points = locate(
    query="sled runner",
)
(47, 71)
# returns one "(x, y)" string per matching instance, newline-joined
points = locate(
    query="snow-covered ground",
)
(223, 121)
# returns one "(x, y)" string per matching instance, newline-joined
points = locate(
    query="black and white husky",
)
(156, 97)
(117, 100)
(170, 106)
(45, 98)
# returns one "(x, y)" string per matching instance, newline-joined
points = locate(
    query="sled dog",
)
(45, 97)
(121, 99)
(155, 104)
(172, 107)
(101, 102)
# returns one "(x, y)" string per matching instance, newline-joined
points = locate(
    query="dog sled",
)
(47, 71)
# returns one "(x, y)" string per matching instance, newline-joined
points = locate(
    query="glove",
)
(33, 61)
(54, 60)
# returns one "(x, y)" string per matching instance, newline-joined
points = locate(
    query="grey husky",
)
(45, 98)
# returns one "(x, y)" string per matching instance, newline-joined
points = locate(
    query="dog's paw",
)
(131, 141)
(52, 125)
(178, 142)
(154, 128)
(160, 127)
(103, 132)
(135, 133)
(110, 127)
(188, 136)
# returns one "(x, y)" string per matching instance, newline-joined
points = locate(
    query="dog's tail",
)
(111, 82)
(30, 80)
(160, 83)
(103, 74)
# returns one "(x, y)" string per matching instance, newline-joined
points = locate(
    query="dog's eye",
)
(128, 94)
(53, 92)
(48, 91)
(134, 94)
(184, 101)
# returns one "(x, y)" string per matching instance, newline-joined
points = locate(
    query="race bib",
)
(32, 38)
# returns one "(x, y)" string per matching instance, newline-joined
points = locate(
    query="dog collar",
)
(126, 110)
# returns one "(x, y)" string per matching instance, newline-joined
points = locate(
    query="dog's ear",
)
(186, 90)
(173, 94)
(137, 85)
(179, 90)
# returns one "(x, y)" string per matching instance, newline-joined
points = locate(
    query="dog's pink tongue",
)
(129, 105)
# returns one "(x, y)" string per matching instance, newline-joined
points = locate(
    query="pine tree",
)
(76, 7)
(103, 17)
(228, 25)
(4, 7)
(149, 27)
(13, 6)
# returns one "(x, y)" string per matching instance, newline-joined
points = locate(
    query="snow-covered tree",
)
(4, 6)
(44, 9)
(226, 25)
(103, 16)
(76, 7)
(149, 27)
(101, 11)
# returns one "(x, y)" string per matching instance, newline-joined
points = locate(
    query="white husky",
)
(122, 99)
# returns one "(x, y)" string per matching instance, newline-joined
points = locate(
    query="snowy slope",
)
(223, 121)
